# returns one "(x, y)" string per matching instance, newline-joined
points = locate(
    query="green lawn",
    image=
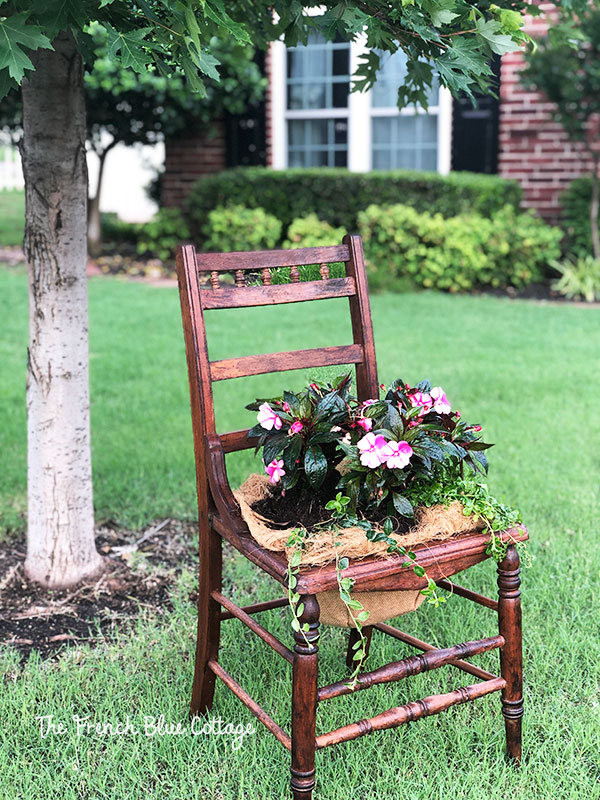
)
(528, 372)
(12, 217)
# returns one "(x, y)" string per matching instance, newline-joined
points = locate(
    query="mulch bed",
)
(141, 569)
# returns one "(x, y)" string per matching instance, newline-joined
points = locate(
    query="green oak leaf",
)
(16, 34)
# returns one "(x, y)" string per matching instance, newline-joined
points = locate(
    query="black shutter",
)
(475, 131)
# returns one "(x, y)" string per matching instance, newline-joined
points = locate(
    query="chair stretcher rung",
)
(417, 709)
(413, 642)
(281, 362)
(254, 626)
(432, 659)
(251, 704)
(480, 599)
(255, 608)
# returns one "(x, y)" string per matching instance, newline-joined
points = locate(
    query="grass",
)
(526, 371)
(12, 217)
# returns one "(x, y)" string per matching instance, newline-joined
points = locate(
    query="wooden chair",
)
(219, 518)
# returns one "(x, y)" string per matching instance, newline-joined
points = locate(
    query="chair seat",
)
(439, 559)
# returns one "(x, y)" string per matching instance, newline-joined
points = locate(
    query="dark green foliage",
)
(160, 236)
(460, 253)
(338, 196)
(576, 217)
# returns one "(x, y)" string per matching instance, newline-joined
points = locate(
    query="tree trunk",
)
(60, 544)
(594, 208)
(94, 231)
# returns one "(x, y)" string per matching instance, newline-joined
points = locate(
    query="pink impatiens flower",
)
(275, 470)
(372, 450)
(399, 454)
(267, 418)
(295, 427)
(421, 399)
(440, 401)
(366, 423)
(368, 402)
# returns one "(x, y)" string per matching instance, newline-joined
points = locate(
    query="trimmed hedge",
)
(457, 254)
(576, 217)
(338, 196)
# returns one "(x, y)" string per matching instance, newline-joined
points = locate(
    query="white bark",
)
(60, 543)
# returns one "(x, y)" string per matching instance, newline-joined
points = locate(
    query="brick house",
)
(309, 118)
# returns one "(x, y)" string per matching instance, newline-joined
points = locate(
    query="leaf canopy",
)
(453, 38)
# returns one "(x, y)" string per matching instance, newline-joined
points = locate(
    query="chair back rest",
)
(200, 286)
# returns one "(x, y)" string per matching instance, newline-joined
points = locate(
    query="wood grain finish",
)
(511, 656)
(398, 670)
(270, 259)
(256, 608)
(304, 701)
(220, 517)
(258, 712)
(254, 626)
(409, 712)
(280, 362)
(480, 599)
(420, 645)
(267, 295)
(237, 440)
(353, 638)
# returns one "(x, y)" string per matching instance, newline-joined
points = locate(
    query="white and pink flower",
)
(421, 399)
(366, 423)
(440, 401)
(372, 450)
(275, 470)
(267, 418)
(399, 454)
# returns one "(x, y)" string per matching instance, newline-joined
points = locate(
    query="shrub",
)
(338, 196)
(310, 231)
(576, 217)
(458, 253)
(116, 232)
(162, 234)
(239, 228)
(579, 278)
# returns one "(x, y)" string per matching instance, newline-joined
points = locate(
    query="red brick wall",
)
(188, 158)
(534, 149)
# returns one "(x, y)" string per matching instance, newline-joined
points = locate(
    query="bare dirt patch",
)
(141, 568)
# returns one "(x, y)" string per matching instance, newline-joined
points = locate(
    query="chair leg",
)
(511, 657)
(304, 701)
(353, 639)
(209, 620)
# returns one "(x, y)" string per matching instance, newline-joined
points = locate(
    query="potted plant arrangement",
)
(348, 479)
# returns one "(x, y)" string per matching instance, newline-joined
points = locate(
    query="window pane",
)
(314, 95)
(318, 74)
(405, 141)
(317, 142)
(391, 76)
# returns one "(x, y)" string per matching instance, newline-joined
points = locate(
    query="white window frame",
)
(358, 114)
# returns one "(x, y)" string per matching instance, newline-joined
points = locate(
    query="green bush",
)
(338, 196)
(310, 231)
(160, 236)
(460, 253)
(576, 217)
(239, 228)
(579, 278)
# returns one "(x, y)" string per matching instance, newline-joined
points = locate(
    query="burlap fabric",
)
(435, 523)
